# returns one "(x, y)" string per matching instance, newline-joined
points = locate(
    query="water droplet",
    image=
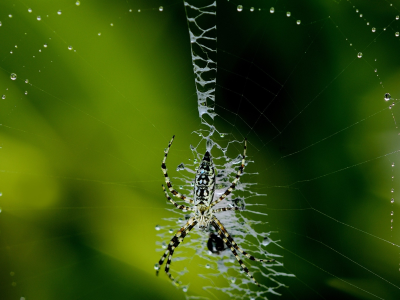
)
(3, 97)
(387, 97)
(164, 245)
(38, 18)
(272, 10)
(138, 10)
(180, 167)
(266, 241)
(376, 70)
(111, 24)
(1, 194)
(391, 213)
(239, 8)
(171, 230)
(158, 227)
(99, 34)
(10, 15)
(77, 3)
(392, 164)
(392, 200)
(29, 10)
(59, 12)
(222, 135)
(251, 9)
(208, 266)
(130, 10)
(384, 29)
(397, 34)
(357, 11)
(184, 289)
(26, 92)
(13, 76)
(70, 48)
(1, 23)
(397, 17)
(45, 45)
(288, 14)
(298, 22)
(373, 29)
(161, 8)
(157, 267)
(359, 54)
(26, 80)
(360, 15)
(392, 190)
(233, 279)
(0, 210)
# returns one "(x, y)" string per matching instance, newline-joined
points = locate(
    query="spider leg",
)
(226, 208)
(234, 252)
(223, 232)
(168, 181)
(175, 241)
(234, 182)
(173, 202)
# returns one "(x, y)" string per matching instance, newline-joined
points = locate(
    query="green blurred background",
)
(82, 141)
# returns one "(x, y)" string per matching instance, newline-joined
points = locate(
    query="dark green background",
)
(80, 158)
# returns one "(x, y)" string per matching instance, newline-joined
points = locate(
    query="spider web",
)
(99, 90)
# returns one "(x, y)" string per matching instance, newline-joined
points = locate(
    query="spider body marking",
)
(203, 212)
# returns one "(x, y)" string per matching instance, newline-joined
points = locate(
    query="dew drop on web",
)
(266, 241)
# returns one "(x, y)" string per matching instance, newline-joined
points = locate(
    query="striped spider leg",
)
(228, 240)
(203, 213)
(175, 241)
(234, 182)
(167, 180)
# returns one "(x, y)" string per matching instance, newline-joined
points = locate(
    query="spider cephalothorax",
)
(203, 212)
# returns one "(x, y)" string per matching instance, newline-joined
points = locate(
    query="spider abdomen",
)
(204, 183)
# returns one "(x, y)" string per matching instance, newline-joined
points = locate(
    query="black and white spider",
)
(203, 212)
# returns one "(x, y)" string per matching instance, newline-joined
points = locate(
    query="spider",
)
(203, 213)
